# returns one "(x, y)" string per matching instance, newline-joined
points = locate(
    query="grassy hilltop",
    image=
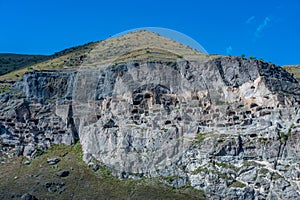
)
(136, 46)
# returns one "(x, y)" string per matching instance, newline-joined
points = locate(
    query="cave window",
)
(253, 105)
(147, 96)
(168, 122)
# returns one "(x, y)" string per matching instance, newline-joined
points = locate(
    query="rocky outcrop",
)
(30, 114)
(229, 126)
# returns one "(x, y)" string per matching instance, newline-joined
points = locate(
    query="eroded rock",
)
(228, 126)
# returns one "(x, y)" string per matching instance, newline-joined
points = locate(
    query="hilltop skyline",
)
(267, 30)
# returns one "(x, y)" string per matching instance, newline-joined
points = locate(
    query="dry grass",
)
(295, 69)
(133, 46)
(149, 54)
(109, 51)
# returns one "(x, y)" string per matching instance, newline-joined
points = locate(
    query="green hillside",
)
(46, 181)
(65, 59)
(12, 62)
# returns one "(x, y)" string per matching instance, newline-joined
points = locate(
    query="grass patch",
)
(293, 70)
(227, 166)
(223, 103)
(82, 182)
(276, 176)
(4, 89)
(39, 152)
(200, 137)
(200, 169)
(237, 184)
(251, 164)
(77, 148)
(264, 171)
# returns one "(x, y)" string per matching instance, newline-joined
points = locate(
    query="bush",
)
(284, 137)
(39, 152)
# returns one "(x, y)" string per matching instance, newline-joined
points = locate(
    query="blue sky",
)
(262, 28)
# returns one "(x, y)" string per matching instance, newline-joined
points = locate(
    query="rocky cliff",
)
(225, 125)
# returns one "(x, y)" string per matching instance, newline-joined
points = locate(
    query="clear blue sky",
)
(268, 29)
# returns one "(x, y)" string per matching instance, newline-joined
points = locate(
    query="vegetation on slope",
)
(148, 54)
(44, 182)
(139, 45)
(66, 59)
(146, 44)
(12, 62)
(294, 69)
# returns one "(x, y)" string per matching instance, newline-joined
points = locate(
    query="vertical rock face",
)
(227, 125)
(36, 113)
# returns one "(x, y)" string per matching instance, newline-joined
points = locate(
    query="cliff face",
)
(227, 125)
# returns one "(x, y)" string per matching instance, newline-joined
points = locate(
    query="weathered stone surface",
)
(228, 126)
(63, 173)
(27, 162)
(53, 161)
(53, 187)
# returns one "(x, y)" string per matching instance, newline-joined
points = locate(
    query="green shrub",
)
(3, 89)
(200, 137)
(39, 152)
(284, 137)
(252, 57)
